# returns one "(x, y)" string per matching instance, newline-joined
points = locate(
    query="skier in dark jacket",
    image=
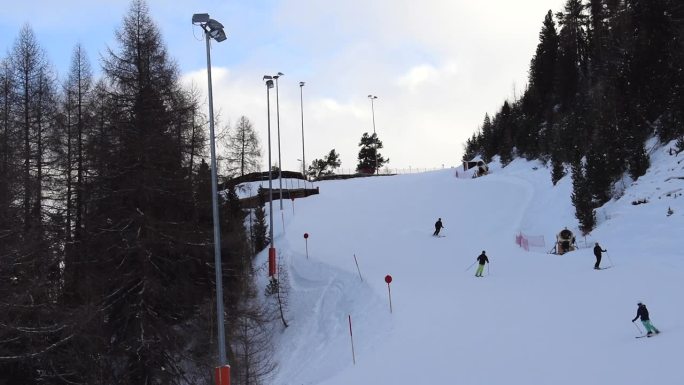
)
(438, 226)
(597, 253)
(481, 259)
(642, 313)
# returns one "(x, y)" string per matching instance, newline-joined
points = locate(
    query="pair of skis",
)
(647, 335)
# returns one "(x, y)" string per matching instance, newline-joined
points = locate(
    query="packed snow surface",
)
(534, 318)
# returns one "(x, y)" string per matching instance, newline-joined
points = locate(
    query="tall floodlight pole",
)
(214, 30)
(373, 97)
(271, 250)
(301, 103)
(280, 163)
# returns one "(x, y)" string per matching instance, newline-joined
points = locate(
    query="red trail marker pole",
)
(306, 242)
(388, 279)
(271, 261)
(351, 336)
(222, 375)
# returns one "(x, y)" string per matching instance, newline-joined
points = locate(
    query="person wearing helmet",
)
(597, 253)
(642, 313)
(481, 259)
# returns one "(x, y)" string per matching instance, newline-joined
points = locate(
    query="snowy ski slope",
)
(535, 318)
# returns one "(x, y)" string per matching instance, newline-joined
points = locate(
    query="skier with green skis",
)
(642, 313)
(481, 259)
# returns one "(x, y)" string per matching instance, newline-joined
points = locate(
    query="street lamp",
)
(373, 97)
(271, 250)
(214, 30)
(301, 103)
(280, 163)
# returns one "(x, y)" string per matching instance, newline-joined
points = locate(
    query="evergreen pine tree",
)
(543, 69)
(259, 227)
(572, 57)
(325, 166)
(489, 140)
(506, 126)
(581, 199)
(597, 175)
(657, 51)
(471, 147)
(557, 170)
(369, 156)
(638, 160)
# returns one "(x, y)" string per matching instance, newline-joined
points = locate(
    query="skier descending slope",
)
(643, 313)
(438, 227)
(482, 259)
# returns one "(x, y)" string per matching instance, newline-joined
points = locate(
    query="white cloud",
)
(437, 66)
(418, 76)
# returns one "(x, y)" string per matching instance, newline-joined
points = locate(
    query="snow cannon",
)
(565, 241)
(482, 168)
(479, 165)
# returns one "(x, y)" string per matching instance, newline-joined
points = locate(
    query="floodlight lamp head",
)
(200, 18)
(280, 74)
(218, 35)
(214, 30)
(301, 84)
(269, 83)
(267, 77)
(214, 25)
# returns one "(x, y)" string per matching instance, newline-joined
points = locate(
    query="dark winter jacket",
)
(438, 225)
(483, 259)
(598, 250)
(642, 312)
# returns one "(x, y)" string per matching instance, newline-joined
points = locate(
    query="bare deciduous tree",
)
(244, 151)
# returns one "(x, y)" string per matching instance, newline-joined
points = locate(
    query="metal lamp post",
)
(280, 162)
(214, 30)
(301, 103)
(271, 250)
(373, 97)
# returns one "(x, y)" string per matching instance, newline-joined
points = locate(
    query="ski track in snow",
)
(330, 295)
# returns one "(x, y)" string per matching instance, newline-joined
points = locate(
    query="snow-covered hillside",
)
(535, 318)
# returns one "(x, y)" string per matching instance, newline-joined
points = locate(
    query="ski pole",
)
(638, 328)
(611, 261)
(470, 266)
(488, 269)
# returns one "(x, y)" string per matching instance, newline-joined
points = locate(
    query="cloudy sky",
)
(437, 66)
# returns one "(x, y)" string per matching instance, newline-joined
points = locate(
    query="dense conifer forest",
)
(606, 76)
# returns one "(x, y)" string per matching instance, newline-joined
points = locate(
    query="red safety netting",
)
(526, 241)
